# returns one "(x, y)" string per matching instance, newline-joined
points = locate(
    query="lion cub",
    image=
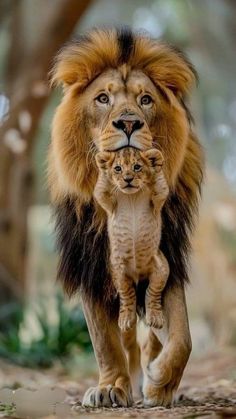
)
(132, 189)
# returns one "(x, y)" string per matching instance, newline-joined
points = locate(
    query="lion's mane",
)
(81, 228)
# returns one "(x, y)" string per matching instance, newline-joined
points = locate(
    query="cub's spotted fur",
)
(132, 189)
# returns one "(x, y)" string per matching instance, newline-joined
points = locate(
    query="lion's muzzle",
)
(127, 130)
(128, 124)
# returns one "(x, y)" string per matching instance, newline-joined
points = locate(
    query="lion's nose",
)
(128, 125)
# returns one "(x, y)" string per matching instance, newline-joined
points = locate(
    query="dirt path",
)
(208, 389)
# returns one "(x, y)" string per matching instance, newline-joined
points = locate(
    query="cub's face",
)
(130, 170)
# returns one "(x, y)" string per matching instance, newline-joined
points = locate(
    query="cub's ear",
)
(154, 157)
(103, 158)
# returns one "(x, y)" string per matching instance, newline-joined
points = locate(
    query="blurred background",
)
(39, 327)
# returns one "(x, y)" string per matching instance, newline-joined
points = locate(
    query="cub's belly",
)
(134, 243)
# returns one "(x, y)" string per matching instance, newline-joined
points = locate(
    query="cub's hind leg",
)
(157, 281)
(125, 286)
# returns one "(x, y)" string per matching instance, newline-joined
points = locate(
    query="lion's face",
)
(122, 109)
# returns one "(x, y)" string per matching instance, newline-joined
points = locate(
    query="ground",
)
(208, 389)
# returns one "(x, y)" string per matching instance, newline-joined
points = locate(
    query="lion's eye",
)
(137, 167)
(102, 98)
(117, 169)
(146, 100)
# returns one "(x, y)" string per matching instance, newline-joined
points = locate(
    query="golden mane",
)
(82, 61)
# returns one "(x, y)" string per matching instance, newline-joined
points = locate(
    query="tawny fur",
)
(132, 189)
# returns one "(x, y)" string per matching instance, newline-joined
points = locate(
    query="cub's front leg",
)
(158, 185)
(103, 188)
(159, 189)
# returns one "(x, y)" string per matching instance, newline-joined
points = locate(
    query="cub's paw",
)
(107, 397)
(127, 320)
(155, 318)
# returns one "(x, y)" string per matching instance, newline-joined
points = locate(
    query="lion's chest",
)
(134, 234)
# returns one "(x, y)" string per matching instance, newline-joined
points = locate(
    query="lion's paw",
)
(155, 318)
(158, 396)
(106, 397)
(163, 374)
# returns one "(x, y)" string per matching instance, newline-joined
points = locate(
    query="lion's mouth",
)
(130, 187)
(126, 146)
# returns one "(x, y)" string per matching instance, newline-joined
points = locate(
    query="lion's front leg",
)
(114, 385)
(132, 350)
(163, 374)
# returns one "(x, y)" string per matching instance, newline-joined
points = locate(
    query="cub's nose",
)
(128, 179)
(128, 125)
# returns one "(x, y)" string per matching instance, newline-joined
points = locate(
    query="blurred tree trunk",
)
(27, 89)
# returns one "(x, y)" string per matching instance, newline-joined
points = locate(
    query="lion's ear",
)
(103, 158)
(176, 73)
(154, 157)
(69, 68)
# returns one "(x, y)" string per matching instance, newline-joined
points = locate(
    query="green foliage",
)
(56, 341)
(7, 409)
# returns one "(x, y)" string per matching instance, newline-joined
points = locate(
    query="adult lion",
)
(121, 89)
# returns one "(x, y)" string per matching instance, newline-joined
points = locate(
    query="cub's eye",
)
(146, 100)
(117, 169)
(102, 98)
(137, 167)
